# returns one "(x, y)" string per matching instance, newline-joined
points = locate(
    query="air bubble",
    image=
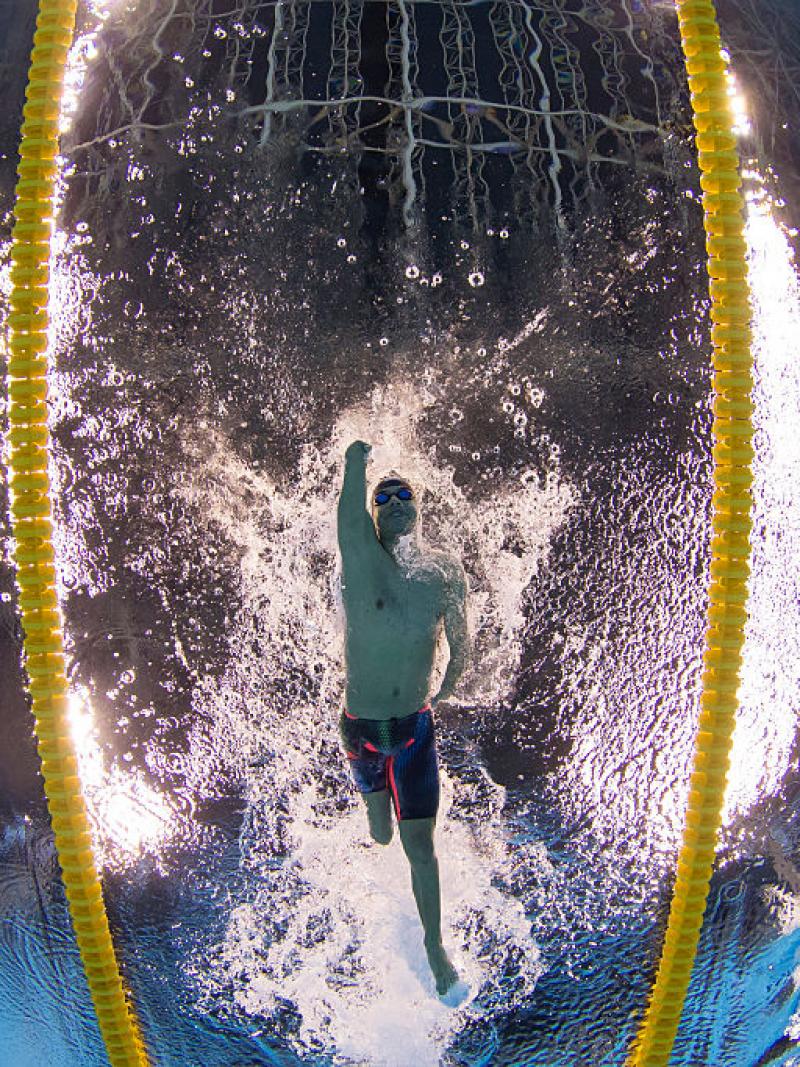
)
(504, 234)
(384, 341)
(342, 243)
(219, 32)
(476, 279)
(412, 272)
(508, 407)
(436, 279)
(351, 258)
(514, 389)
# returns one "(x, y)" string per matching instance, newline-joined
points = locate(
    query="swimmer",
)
(397, 595)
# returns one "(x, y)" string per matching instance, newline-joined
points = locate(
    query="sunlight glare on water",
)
(128, 816)
(767, 719)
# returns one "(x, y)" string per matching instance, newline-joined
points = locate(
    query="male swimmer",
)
(396, 596)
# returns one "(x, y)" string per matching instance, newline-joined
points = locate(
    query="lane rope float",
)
(723, 211)
(32, 530)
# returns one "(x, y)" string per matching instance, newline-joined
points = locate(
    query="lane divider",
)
(32, 530)
(723, 207)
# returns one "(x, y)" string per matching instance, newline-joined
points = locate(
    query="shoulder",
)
(452, 574)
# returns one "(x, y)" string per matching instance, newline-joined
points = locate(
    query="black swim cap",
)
(387, 483)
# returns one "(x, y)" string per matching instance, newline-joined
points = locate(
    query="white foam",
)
(327, 924)
(336, 934)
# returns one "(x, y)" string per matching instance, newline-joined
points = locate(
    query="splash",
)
(502, 542)
(333, 939)
(326, 933)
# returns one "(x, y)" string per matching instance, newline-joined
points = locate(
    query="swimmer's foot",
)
(448, 985)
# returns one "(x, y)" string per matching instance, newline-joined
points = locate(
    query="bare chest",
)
(410, 599)
(393, 599)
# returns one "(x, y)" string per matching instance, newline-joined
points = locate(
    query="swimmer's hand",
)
(358, 450)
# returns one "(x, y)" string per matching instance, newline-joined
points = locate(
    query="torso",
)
(393, 624)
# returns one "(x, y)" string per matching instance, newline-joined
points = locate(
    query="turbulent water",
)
(232, 306)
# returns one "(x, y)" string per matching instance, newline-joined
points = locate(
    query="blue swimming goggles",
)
(385, 495)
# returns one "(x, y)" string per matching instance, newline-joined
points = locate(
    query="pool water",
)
(470, 234)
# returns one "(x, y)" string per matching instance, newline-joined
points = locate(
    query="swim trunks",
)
(398, 755)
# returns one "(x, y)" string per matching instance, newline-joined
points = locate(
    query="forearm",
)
(353, 497)
(455, 668)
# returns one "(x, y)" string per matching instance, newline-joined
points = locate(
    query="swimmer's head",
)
(394, 507)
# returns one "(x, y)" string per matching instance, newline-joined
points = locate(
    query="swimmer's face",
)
(391, 513)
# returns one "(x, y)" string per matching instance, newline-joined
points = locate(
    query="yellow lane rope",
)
(31, 527)
(723, 207)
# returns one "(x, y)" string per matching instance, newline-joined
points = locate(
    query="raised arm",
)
(355, 526)
(455, 628)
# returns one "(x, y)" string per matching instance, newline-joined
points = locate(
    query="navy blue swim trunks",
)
(398, 755)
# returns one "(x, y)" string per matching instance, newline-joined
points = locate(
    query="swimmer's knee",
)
(416, 836)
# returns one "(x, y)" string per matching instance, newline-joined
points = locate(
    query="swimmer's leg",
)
(379, 814)
(416, 836)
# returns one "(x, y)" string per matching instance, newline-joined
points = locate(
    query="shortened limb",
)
(456, 631)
